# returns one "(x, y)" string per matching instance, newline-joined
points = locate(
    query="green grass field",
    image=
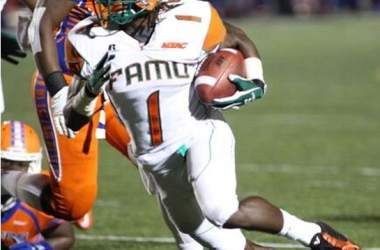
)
(312, 145)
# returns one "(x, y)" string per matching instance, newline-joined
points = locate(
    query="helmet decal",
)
(17, 135)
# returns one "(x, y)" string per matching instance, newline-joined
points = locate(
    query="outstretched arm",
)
(47, 16)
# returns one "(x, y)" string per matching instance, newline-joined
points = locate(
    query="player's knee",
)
(81, 205)
(219, 238)
(217, 215)
(219, 212)
(71, 211)
(247, 213)
(237, 220)
(73, 203)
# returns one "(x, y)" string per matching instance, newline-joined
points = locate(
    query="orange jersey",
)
(73, 162)
(24, 223)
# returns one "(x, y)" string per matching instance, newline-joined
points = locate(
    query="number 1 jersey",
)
(150, 83)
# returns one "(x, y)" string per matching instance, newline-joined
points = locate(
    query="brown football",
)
(212, 79)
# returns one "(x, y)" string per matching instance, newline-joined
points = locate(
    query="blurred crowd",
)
(237, 8)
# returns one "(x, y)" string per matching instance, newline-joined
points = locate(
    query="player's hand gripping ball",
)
(222, 81)
(212, 81)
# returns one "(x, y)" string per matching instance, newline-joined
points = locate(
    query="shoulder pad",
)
(180, 32)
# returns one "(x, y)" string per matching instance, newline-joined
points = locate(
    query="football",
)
(212, 79)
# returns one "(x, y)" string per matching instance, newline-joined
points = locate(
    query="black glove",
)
(100, 75)
(10, 48)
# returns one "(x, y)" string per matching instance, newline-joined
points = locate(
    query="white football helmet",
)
(19, 142)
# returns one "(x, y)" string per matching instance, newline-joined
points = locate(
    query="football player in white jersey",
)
(211, 236)
(148, 52)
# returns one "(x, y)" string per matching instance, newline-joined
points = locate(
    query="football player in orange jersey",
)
(24, 227)
(207, 148)
(71, 161)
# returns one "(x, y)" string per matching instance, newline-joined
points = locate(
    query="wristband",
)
(54, 82)
(254, 68)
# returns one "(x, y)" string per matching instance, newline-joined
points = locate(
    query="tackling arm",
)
(47, 17)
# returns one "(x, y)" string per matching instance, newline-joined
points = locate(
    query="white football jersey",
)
(152, 99)
(150, 84)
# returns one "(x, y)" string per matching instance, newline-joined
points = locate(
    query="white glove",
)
(57, 103)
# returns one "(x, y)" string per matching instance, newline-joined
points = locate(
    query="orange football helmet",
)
(19, 142)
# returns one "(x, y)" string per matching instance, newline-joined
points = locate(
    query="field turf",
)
(312, 145)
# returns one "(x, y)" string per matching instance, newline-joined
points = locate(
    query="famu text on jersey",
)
(151, 70)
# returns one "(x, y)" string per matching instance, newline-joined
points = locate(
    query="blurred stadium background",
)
(312, 145)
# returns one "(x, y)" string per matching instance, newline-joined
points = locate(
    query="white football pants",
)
(203, 185)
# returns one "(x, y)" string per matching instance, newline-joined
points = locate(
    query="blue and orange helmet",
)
(19, 142)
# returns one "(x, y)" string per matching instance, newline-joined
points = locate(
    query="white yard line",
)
(366, 171)
(124, 238)
(171, 240)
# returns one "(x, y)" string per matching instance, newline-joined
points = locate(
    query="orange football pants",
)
(73, 163)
